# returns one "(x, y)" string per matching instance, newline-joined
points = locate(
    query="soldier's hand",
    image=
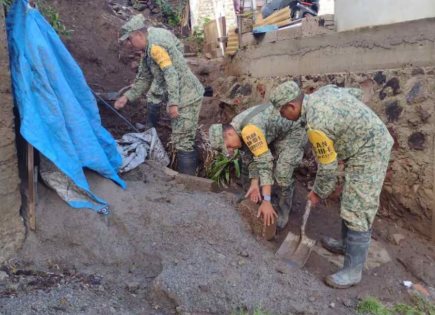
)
(267, 212)
(254, 191)
(121, 102)
(173, 111)
(314, 198)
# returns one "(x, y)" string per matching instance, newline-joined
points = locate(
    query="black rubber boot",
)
(187, 162)
(153, 114)
(333, 245)
(284, 205)
(356, 249)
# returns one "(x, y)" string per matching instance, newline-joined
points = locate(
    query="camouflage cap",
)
(137, 22)
(284, 93)
(216, 138)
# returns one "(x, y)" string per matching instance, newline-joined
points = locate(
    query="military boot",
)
(356, 249)
(153, 114)
(333, 245)
(187, 161)
(284, 204)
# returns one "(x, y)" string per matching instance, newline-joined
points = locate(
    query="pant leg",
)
(184, 127)
(364, 178)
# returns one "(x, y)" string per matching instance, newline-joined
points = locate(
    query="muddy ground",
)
(166, 249)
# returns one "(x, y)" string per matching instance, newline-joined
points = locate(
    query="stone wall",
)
(11, 225)
(404, 99)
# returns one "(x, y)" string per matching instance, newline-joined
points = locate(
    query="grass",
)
(372, 306)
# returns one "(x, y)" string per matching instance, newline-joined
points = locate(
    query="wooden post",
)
(31, 186)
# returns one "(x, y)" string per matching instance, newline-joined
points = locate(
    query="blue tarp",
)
(58, 112)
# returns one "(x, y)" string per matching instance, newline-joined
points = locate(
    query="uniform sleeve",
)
(141, 84)
(323, 147)
(326, 179)
(163, 60)
(255, 140)
(264, 166)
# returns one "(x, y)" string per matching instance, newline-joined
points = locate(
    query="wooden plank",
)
(278, 16)
(31, 183)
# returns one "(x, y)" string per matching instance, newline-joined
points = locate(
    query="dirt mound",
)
(174, 248)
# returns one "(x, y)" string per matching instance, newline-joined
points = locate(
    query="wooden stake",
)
(31, 195)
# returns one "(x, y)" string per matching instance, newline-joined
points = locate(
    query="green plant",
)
(257, 311)
(172, 16)
(224, 168)
(372, 306)
(49, 13)
(53, 18)
(6, 3)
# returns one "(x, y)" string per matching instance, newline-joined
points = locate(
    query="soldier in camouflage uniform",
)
(253, 131)
(164, 76)
(341, 127)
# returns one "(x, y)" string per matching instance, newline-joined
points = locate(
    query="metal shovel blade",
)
(296, 249)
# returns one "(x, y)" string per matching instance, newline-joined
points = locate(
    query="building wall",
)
(11, 225)
(361, 13)
(202, 10)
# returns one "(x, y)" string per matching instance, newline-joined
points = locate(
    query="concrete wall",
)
(360, 13)
(393, 64)
(11, 225)
(290, 52)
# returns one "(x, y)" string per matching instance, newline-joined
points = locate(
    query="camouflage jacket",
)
(341, 127)
(163, 72)
(261, 130)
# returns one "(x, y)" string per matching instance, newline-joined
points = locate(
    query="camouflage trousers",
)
(184, 127)
(364, 178)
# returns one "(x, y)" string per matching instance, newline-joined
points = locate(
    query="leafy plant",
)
(49, 13)
(224, 168)
(173, 16)
(53, 18)
(372, 306)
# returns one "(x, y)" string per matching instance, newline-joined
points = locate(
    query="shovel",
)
(296, 249)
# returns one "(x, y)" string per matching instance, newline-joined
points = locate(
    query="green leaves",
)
(224, 168)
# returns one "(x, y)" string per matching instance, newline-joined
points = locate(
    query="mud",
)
(11, 225)
(181, 250)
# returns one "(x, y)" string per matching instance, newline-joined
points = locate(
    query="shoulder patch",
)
(161, 57)
(255, 140)
(323, 147)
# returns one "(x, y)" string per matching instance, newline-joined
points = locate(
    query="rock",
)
(3, 276)
(423, 113)
(416, 93)
(332, 305)
(392, 87)
(349, 303)
(417, 71)
(380, 78)
(397, 238)
(393, 111)
(311, 299)
(416, 141)
(244, 253)
(204, 70)
(132, 287)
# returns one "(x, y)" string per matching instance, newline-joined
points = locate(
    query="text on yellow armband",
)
(323, 147)
(255, 140)
(160, 56)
